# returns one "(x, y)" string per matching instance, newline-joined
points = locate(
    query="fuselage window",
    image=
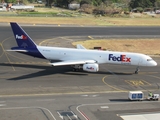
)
(149, 59)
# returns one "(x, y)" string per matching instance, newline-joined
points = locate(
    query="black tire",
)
(136, 72)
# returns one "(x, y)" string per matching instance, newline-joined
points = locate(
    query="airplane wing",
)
(79, 46)
(72, 62)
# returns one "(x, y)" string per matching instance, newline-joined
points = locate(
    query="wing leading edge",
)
(72, 62)
(18, 50)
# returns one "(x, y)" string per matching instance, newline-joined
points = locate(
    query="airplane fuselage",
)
(111, 57)
(88, 60)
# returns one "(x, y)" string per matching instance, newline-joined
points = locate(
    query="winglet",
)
(79, 46)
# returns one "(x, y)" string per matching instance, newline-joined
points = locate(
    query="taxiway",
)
(30, 88)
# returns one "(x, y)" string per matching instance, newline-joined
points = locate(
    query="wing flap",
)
(72, 62)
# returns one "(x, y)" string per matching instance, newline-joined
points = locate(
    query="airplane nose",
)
(152, 63)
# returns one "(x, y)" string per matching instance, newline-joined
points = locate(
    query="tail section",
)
(25, 44)
(22, 38)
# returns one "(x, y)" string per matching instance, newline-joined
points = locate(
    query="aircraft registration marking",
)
(137, 82)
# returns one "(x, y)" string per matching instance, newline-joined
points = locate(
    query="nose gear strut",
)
(137, 70)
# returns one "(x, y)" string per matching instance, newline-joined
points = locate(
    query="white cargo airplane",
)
(79, 58)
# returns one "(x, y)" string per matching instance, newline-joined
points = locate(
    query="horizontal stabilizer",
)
(72, 62)
(79, 46)
(18, 50)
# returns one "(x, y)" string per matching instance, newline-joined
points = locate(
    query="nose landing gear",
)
(137, 70)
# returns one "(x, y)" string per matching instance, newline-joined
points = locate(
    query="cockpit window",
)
(149, 59)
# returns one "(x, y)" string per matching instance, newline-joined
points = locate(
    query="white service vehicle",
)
(153, 97)
(135, 95)
(22, 7)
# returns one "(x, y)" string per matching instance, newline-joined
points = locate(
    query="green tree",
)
(157, 3)
(11, 1)
(142, 3)
(86, 2)
(60, 3)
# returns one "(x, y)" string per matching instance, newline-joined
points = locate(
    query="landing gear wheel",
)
(136, 72)
(74, 70)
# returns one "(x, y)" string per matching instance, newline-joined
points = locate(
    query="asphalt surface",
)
(39, 32)
(32, 89)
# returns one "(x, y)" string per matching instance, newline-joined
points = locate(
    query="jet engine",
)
(91, 67)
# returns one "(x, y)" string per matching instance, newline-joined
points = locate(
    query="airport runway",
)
(33, 89)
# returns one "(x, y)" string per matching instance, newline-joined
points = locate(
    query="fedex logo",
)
(22, 37)
(121, 58)
(90, 68)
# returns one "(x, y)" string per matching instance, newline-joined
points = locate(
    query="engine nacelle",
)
(91, 67)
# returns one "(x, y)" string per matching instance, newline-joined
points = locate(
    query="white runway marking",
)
(2, 104)
(103, 107)
(154, 116)
(16, 108)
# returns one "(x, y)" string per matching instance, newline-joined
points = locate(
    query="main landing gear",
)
(76, 68)
(137, 70)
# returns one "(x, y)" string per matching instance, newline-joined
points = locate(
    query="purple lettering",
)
(121, 58)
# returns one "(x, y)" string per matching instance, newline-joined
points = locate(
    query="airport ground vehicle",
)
(136, 95)
(153, 97)
(139, 96)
